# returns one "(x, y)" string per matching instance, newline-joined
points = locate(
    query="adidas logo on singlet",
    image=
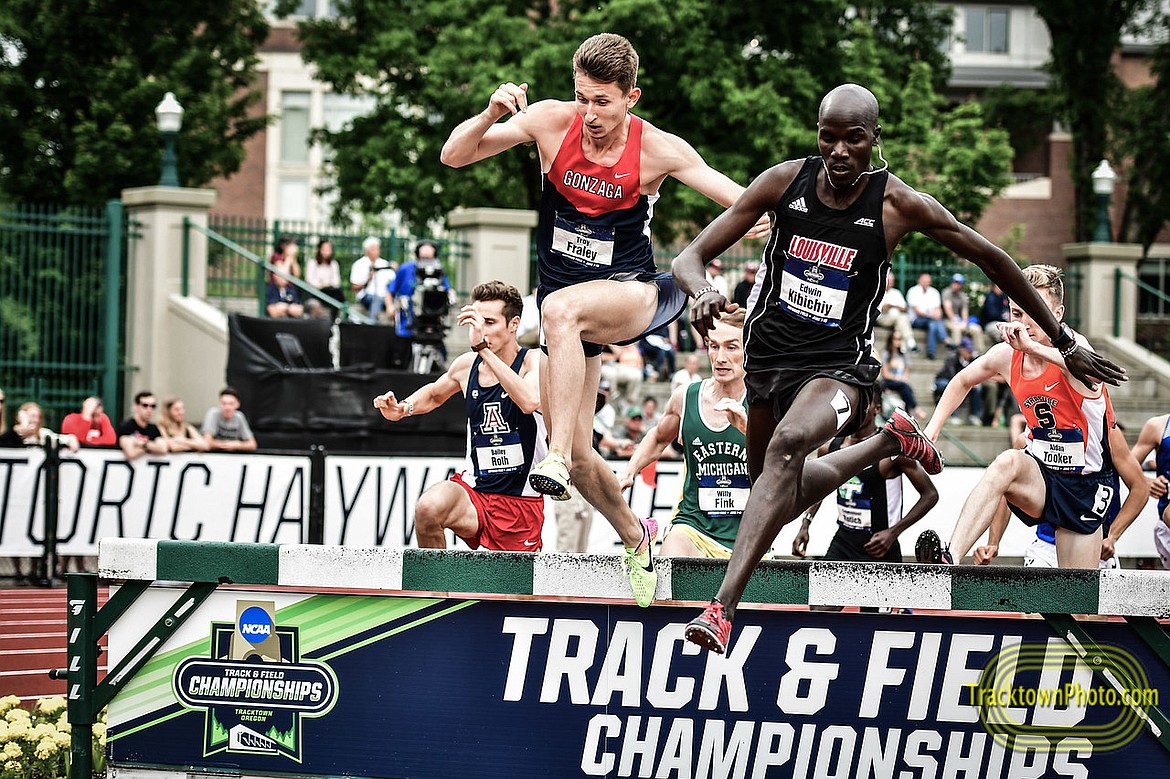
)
(798, 205)
(696, 442)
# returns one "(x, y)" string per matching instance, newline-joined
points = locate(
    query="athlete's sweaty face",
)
(846, 146)
(496, 328)
(725, 348)
(602, 106)
(1034, 330)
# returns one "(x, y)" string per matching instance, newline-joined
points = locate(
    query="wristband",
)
(479, 347)
(410, 408)
(1066, 342)
(704, 291)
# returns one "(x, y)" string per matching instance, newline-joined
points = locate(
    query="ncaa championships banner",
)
(369, 501)
(377, 686)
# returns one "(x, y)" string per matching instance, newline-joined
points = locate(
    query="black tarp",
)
(294, 398)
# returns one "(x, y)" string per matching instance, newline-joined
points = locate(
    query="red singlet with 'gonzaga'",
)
(1067, 431)
(594, 220)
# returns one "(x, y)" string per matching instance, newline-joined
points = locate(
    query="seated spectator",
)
(657, 354)
(955, 362)
(994, 311)
(892, 313)
(528, 334)
(688, 374)
(29, 430)
(324, 273)
(926, 313)
(370, 277)
(622, 366)
(285, 257)
(744, 288)
(283, 299)
(91, 426)
(225, 428)
(138, 434)
(181, 435)
(895, 375)
(650, 411)
(956, 312)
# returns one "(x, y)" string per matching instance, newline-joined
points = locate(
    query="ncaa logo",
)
(255, 625)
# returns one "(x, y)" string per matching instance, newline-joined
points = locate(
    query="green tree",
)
(950, 154)
(1142, 139)
(740, 81)
(1086, 85)
(79, 81)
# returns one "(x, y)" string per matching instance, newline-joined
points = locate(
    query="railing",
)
(1118, 276)
(258, 277)
(61, 303)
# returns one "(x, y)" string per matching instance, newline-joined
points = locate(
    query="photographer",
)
(420, 295)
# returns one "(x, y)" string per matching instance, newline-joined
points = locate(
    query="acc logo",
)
(255, 625)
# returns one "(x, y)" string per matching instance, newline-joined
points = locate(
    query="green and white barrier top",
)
(593, 577)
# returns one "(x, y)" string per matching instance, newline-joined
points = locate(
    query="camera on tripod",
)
(431, 301)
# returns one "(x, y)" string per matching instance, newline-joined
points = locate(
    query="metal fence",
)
(61, 303)
(236, 279)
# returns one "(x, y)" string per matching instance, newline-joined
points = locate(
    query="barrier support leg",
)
(1098, 661)
(86, 625)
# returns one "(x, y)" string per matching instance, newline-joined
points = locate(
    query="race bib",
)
(813, 292)
(498, 454)
(587, 244)
(722, 496)
(856, 517)
(853, 510)
(1059, 449)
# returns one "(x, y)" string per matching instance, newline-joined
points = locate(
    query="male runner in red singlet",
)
(809, 333)
(1068, 473)
(602, 168)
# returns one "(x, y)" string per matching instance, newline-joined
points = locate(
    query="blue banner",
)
(420, 688)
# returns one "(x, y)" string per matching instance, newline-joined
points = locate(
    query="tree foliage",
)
(740, 81)
(79, 81)
(1086, 84)
(1141, 130)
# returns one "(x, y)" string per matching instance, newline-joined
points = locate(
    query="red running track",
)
(32, 641)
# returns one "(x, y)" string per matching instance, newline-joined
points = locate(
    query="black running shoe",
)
(929, 549)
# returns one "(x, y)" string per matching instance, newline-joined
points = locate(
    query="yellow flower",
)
(51, 705)
(17, 731)
(13, 767)
(99, 730)
(9, 702)
(63, 739)
(12, 751)
(46, 749)
(18, 715)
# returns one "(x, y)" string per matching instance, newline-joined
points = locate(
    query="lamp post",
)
(1103, 180)
(169, 115)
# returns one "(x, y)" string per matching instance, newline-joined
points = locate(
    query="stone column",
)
(499, 246)
(174, 345)
(1097, 265)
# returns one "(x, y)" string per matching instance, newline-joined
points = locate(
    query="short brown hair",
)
(1046, 278)
(506, 293)
(734, 319)
(608, 58)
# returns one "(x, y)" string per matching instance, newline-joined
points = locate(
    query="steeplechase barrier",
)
(276, 660)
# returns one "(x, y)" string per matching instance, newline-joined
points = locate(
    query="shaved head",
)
(850, 101)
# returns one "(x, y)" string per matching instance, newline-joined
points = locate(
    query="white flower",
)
(12, 751)
(13, 767)
(18, 715)
(9, 702)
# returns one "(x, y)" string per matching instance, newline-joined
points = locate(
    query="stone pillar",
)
(174, 345)
(499, 241)
(1097, 265)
